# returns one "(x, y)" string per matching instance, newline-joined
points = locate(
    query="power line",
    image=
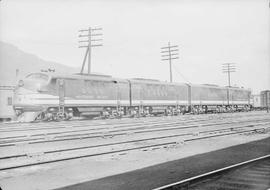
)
(168, 53)
(88, 41)
(178, 72)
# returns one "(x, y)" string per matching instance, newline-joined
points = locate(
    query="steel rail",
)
(95, 125)
(136, 140)
(62, 124)
(169, 126)
(128, 124)
(132, 141)
(121, 150)
(189, 181)
(19, 138)
(111, 127)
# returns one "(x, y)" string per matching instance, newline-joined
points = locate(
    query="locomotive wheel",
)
(60, 116)
(41, 117)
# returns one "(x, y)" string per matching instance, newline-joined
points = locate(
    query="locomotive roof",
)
(153, 81)
(238, 88)
(218, 87)
(84, 77)
(135, 80)
(208, 86)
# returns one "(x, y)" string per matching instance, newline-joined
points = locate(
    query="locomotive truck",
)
(41, 96)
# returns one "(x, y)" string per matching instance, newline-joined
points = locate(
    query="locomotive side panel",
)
(155, 93)
(182, 94)
(154, 97)
(123, 93)
(208, 95)
(96, 92)
(97, 96)
(135, 90)
(239, 96)
(158, 94)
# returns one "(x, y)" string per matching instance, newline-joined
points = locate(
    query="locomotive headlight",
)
(39, 87)
(20, 83)
(51, 110)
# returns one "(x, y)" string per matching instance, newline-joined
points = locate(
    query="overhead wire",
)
(179, 73)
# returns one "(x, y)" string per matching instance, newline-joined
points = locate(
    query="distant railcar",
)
(54, 97)
(6, 102)
(265, 99)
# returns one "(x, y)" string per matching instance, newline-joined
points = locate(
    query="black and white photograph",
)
(134, 94)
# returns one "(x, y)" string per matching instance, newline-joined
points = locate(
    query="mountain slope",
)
(12, 58)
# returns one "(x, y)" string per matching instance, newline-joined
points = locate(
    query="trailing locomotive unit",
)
(55, 97)
(155, 97)
(213, 98)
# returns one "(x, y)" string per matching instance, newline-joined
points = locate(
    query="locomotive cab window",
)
(38, 76)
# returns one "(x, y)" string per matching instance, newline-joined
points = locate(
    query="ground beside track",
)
(170, 172)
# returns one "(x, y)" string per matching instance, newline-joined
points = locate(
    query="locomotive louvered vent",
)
(210, 84)
(143, 79)
(94, 74)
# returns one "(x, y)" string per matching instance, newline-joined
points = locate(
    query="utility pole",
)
(169, 53)
(89, 39)
(228, 68)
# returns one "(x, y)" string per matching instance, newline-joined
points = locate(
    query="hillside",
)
(12, 58)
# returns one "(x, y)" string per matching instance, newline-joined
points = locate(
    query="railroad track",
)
(92, 126)
(35, 130)
(202, 132)
(26, 160)
(101, 131)
(117, 131)
(58, 125)
(41, 148)
(101, 126)
(252, 174)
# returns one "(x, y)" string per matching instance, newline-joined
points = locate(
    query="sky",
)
(208, 33)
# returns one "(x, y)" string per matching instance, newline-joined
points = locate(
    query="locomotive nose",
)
(28, 86)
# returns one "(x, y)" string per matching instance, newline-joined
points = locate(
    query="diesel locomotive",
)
(43, 96)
